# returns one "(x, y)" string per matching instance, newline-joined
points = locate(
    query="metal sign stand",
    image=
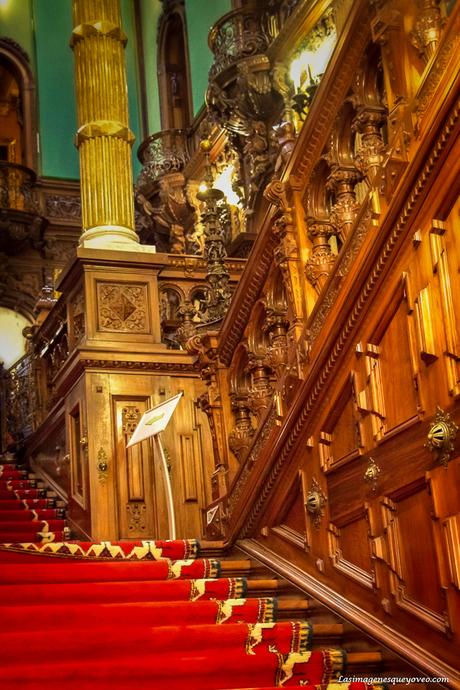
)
(168, 487)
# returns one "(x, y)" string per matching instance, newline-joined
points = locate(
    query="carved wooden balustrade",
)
(168, 218)
(161, 154)
(240, 34)
(21, 399)
(21, 224)
(16, 187)
(328, 477)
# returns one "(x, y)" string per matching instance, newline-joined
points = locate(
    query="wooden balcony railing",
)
(16, 187)
(162, 153)
(247, 31)
(240, 34)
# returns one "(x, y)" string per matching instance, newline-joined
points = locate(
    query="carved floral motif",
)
(63, 206)
(321, 260)
(427, 29)
(122, 307)
(240, 437)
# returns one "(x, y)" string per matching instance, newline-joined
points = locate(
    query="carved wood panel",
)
(77, 456)
(340, 438)
(135, 476)
(415, 587)
(122, 307)
(377, 353)
(293, 524)
(349, 546)
(445, 253)
(390, 357)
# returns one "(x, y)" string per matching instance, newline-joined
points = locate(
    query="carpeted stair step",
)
(22, 494)
(10, 474)
(37, 537)
(95, 642)
(204, 670)
(24, 526)
(26, 503)
(86, 593)
(26, 515)
(145, 551)
(158, 613)
(84, 571)
(15, 484)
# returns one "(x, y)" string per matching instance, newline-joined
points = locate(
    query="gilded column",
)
(103, 138)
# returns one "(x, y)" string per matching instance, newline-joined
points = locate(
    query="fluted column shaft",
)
(103, 138)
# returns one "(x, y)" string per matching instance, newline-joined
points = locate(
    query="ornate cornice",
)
(139, 366)
(313, 387)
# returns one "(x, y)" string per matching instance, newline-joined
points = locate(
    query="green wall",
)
(52, 60)
(56, 102)
(16, 23)
(132, 76)
(150, 13)
(201, 15)
(55, 76)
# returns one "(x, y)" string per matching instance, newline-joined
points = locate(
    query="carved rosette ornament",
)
(240, 438)
(427, 30)
(321, 260)
(130, 417)
(370, 154)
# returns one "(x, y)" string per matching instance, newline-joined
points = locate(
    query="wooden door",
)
(134, 473)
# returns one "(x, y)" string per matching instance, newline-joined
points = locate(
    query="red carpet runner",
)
(145, 615)
(26, 513)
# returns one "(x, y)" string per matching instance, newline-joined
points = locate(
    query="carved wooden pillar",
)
(260, 393)
(321, 260)
(388, 31)
(276, 326)
(103, 138)
(204, 347)
(369, 156)
(427, 29)
(286, 253)
(241, 435)
(342, 181)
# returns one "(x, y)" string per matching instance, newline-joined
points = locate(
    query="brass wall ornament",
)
(315, 502)
(372, 473)
(441, 436)
(102, 465)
